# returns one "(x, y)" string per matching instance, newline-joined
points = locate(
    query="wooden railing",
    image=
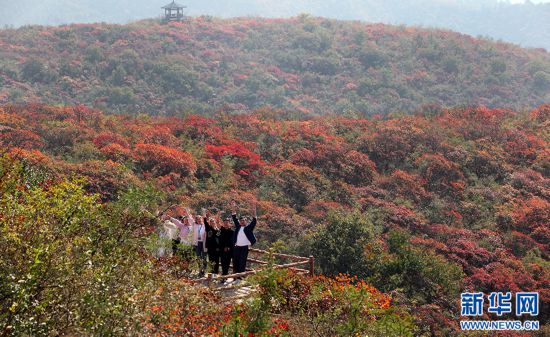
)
(297, 261)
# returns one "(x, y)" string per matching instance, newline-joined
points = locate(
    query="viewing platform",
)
(238, 291)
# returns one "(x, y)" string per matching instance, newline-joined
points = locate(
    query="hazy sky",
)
(525, 25)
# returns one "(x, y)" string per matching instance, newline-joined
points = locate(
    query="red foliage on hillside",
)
(479, 197)
(309, 65)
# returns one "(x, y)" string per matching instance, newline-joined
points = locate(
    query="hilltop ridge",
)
(523, 23)
(309, 66)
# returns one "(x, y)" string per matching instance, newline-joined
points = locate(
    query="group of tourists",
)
(220, 240)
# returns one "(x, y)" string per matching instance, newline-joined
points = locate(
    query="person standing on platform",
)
(213, 238)
(243, 238)
(226, 245)
(184, 234)
(199, 238)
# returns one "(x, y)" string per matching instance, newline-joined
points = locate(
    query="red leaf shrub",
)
(161, 160)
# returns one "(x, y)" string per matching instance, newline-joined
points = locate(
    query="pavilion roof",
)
(173, 5)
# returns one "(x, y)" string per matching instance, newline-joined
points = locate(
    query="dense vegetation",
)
(420, 206)
(73, 266)
(308, 65)
(526, 23)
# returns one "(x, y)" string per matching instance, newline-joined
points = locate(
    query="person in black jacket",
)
(226, 245)
(213, 241)
(243, 238)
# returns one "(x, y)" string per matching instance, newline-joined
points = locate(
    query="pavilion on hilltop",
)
(173, 12)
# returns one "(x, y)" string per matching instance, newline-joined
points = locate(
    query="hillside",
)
(526, 24)
(306, 65)
(421, 206)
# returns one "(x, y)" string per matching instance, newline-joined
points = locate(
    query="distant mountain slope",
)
(307, 65)
(526, 23)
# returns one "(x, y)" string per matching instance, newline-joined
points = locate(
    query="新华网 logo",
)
(500, 303)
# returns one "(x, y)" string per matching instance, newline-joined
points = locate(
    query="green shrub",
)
(69, 264)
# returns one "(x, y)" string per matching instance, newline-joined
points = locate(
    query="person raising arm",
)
(226, 245)
(213, 234)
(199, 238)
(243, 238)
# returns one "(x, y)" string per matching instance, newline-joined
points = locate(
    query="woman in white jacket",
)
(199, 238)
(167, 241)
